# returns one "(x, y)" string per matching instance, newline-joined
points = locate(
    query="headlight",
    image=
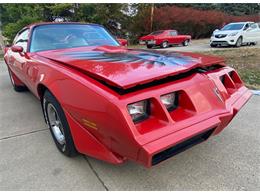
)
(233, 34)
(170, 101)
(139, 110)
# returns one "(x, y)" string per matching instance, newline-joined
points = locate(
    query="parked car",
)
(118, 104)
(123, 42)
(236, 34)
(164, 38)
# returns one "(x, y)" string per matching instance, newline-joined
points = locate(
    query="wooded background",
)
(131, 20)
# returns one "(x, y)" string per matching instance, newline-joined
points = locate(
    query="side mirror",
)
(216, 30)
(17, 49)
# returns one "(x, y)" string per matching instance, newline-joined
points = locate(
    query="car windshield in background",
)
(233, 26)
(61, 36)
(157, 32)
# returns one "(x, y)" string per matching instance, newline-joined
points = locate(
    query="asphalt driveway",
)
(29, 159)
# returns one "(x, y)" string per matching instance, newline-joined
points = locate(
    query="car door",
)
(253, 33)
(174, 37)
(18, 59)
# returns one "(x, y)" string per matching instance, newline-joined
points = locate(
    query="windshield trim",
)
(68, 23)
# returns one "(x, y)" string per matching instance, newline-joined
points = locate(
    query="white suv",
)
(236, 34)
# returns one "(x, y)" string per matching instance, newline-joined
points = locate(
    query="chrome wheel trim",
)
(186, 42)
(165, 44)
(56, 125)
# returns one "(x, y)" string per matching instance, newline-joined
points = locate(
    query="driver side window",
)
(22, 39)
(173, 33)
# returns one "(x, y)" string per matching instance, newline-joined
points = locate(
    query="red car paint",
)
(123, 42)
(94, 85)
(169, 36)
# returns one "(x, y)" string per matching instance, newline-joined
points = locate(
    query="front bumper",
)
(170, 145)
(199, 125)
(226, 41)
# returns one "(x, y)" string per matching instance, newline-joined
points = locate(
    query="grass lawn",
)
(245, 60)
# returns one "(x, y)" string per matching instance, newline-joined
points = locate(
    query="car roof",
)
(53, 23)
(240, 22)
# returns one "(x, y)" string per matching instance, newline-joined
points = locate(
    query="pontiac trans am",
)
(118, 104)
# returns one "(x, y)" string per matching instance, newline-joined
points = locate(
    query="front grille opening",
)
(172, 151)
(228, 83)
(235, 78)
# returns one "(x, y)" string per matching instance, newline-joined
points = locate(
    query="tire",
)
(239, 42)
(213, 45)
(149, 46)
(58, 125)
(186, 43)
(164, 44)
(16, 87)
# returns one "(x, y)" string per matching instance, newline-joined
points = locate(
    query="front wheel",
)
(58, 125)
(239, 42)
(185, 43)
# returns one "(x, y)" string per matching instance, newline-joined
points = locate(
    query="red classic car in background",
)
(123, 42)
(164, 38)
(119, 104)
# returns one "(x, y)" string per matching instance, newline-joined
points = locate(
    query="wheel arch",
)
(41, 88)
(80, 135)
(241, 36)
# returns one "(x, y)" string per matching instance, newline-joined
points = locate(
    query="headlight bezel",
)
(174, 103)
(146, 112)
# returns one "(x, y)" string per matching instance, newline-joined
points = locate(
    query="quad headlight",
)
(139, 110)
(170, 100)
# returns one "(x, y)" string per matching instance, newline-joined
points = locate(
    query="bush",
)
(197, 23)
(11, 29)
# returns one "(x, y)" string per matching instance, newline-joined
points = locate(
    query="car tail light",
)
(170, 101)
(139, 110)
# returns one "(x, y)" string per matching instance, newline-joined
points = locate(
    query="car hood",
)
(227, 32)
(126, 68)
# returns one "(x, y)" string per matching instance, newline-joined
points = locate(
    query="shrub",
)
(11, 29)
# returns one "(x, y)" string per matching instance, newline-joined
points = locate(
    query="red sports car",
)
(123, 42)
(118, 104)
(164, 38)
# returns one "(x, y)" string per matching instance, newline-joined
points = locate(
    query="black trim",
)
(172, 151)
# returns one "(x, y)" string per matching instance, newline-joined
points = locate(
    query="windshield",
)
(61, 36)
(157, 32)
(238, 26)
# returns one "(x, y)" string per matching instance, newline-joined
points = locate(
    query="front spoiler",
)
(215, 124)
